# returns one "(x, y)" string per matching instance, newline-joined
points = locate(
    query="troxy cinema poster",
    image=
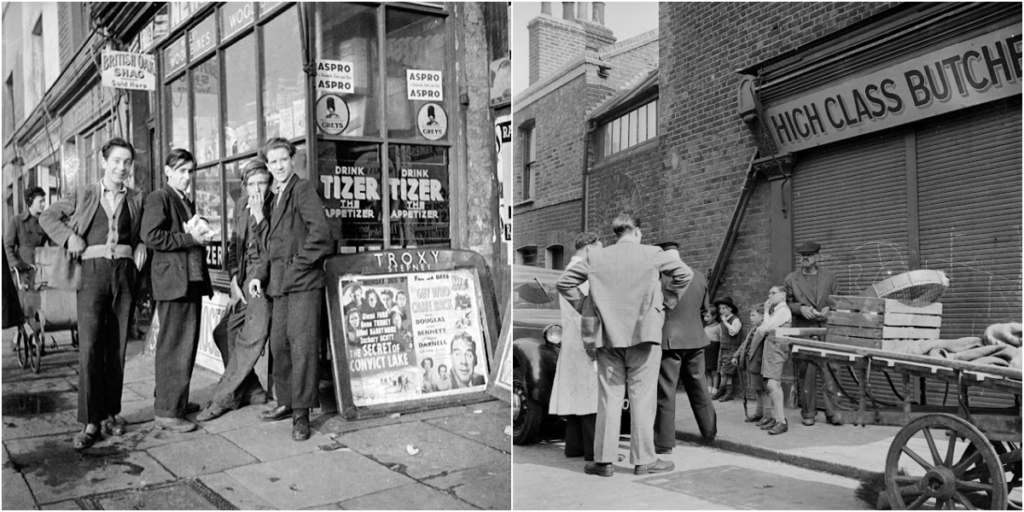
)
(411, 336)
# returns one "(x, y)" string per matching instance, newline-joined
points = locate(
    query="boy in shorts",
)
(777, 314)
(748, 358)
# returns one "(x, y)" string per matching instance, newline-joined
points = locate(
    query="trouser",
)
(241, 341)
(579, 436)
(176, 346)
(637, 367)
(807, 372)
(686, 367)
(105, 304)
(295, 348)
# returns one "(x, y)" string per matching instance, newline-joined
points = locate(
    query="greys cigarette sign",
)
(124, 70)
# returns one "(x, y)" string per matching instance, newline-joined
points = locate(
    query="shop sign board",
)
(335, 76)
(235, 17)
(419, 194)
(202, 39)
(332, 114)
(207, 354)
(503, 141)
(350, 179)
(409, 329)
(976, 71)
(501, 80)
(432, 121)
(176, 56)
(124, 70)
(424, 85)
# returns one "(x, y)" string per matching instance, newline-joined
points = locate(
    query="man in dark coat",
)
(101, 224)
(248, 324)
(808, 291)
(682, 361)
(299, 239)
(180, 280)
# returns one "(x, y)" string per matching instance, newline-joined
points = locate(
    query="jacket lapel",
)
(90, 201)
(278, 210)
(179, 205)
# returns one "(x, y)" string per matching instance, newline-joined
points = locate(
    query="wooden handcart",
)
(945, 456)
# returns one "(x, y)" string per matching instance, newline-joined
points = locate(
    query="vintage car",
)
(536, 336)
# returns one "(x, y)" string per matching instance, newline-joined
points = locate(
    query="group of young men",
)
(636, 310)
(279, 236)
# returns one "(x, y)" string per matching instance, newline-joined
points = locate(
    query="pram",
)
(46, 310)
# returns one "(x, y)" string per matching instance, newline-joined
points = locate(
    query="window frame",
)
(621, 131)
(529, 138)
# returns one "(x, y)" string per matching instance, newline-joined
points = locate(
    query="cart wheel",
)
(21, 346)
(945, 482)
(35, 352)
(1010, 454)
(42, 333)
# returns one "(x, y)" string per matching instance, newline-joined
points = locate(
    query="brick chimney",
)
(556, 41)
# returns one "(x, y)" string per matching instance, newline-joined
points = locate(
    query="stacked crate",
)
(868, 321)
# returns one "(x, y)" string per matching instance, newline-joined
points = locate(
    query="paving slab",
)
(142, 388)
(139, 368)
(338, 425)
(247, 416)
(316, 479)
(439, 452)
(136, 412)
(487, 427)
(471, 476)
(413, 496)
(493, 491)
(234, 491)
(55, 472)
(18, 427)
(491, 405)
(127, 395)
(36, 403)
(16, 494)
(273, 440)
(61, 505)
(32, 386)
(147, 436)
(194, 457)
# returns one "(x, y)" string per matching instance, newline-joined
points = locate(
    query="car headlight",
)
(553, 335)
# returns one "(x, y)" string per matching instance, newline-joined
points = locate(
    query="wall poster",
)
(410, 330)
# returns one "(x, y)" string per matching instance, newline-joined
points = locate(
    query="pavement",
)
(451, 458)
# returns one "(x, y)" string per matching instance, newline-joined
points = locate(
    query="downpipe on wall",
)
(718, 271)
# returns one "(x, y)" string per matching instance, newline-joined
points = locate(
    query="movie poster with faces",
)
(411, 336)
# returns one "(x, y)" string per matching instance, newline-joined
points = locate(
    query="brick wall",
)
(616, 185)
(553, 43)
(705, 146)
(554, 225)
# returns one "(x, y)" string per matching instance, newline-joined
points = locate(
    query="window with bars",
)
(630, 129)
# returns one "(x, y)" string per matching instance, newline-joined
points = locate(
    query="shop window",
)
(630, 129)
(206, 90)
(38, 66)
(208, 205)
(284, 83)
(527, 256)
(416, 96)
(240, 97)
(553, 257)
(418, 184)
(72, 163)
(180, 132)
(529, 158)
(347, 33)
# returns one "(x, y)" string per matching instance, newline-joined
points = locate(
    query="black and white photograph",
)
(766, 255)
(254, 255)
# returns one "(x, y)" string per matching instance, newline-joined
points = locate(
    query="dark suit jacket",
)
(683, 326)
(74, 212)
(162, 229)
(299, 238)
(803, 290)
(240, 241)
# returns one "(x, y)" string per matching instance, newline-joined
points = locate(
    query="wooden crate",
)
(867, 321)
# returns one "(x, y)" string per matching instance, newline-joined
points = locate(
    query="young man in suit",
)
(248, 264)
(623, 320)
(299, 238)
(180, 280)
(101, 225)
(808, 295)
(682, 360)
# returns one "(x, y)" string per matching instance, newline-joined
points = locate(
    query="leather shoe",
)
(174, 424)
(112, 427)
(276, 414)
(658, 466)
(766, 420)
(754, 419)
(598, 468)
(663, 451)
(192, 407)
(769, 425)
(808, 422)
(779, 428)
(300, 428)
(832, 420)
(718, 393)
(212, 412)
(255, 399)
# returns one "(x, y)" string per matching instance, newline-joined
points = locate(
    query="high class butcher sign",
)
(972, 72)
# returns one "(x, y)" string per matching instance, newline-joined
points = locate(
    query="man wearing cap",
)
(623, 320)
(682, 360)
(808, 295)
(248, 327)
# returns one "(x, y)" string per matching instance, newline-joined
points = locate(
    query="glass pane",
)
(606, 139)
(419, 195)
(266, 7)
(235, 17)
(531, 145)
(236, 194)
(415, 68)
(632, 128)
(348, 33)
(641, 124)
(177, 103)
(208, 199)
(175, 57)
(616, 124)
(623, 132)
(240, 103)
(206, 86)
(349, 181)
(284, 86)
(652, 119)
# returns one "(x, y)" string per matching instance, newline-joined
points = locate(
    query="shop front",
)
(911, 161)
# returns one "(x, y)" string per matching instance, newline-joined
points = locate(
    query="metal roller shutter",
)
(969, 182)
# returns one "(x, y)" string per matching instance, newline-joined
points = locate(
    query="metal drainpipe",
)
(746, 193)
(586, 171)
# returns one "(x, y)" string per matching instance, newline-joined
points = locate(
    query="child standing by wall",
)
(748, 358)
(777, 314)
(712, 329)
(731, 339)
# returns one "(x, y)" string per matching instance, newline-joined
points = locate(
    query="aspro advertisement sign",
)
(124, 70)
(335, 76)
(423, 84)
(969, 73)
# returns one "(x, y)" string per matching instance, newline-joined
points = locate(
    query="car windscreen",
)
(534, 288)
